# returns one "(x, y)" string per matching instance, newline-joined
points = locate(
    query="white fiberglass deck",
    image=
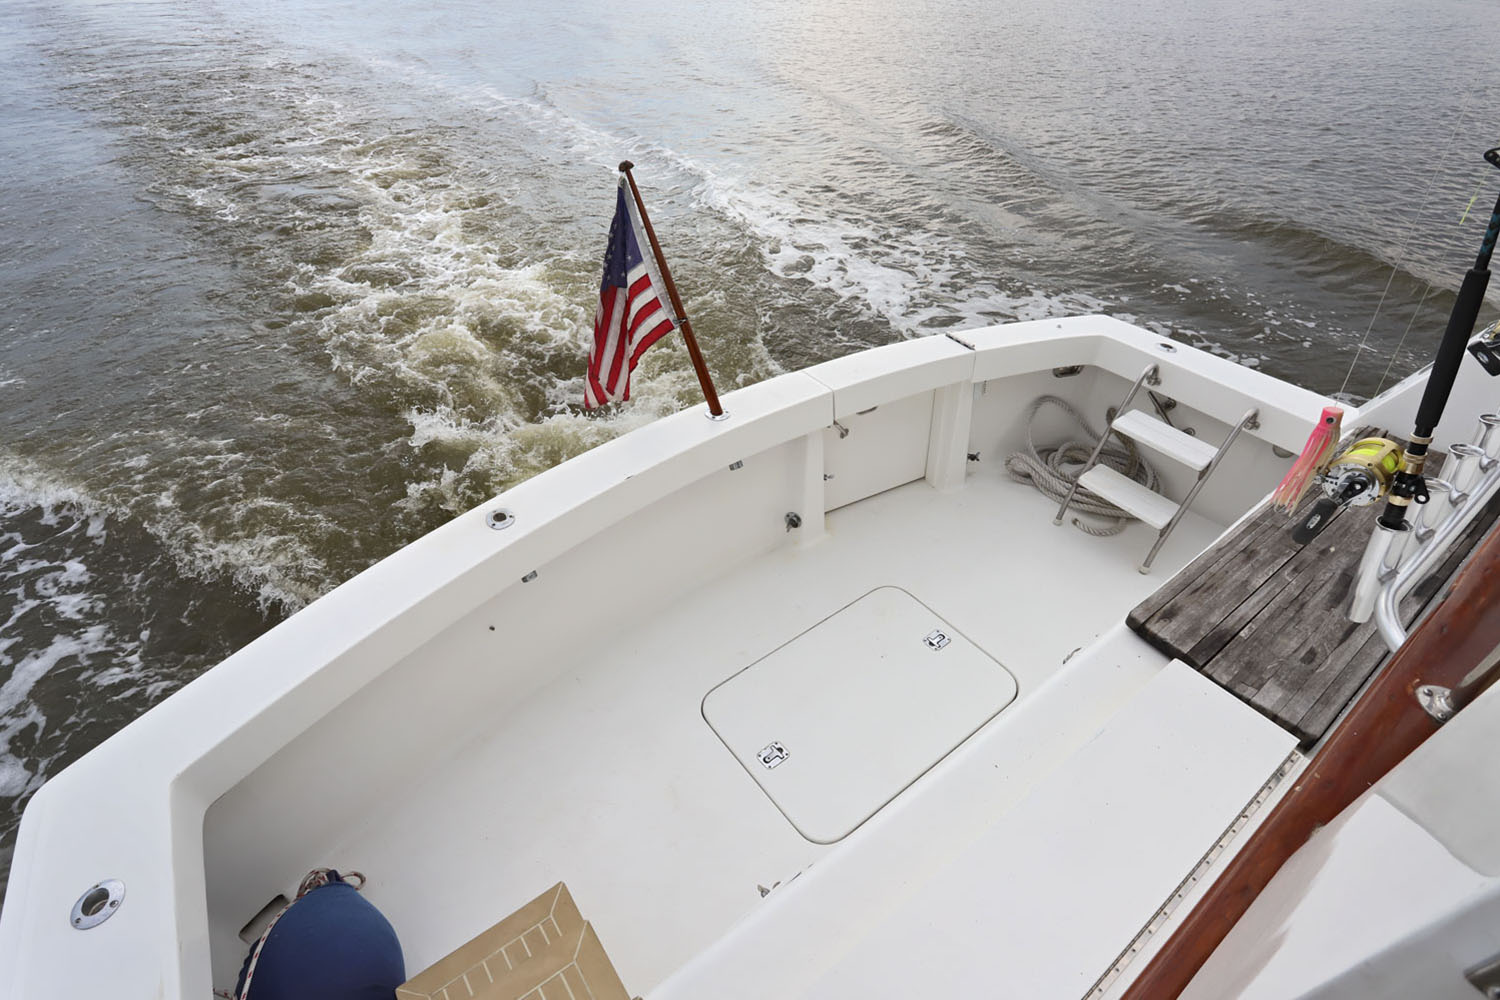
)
(610, 779)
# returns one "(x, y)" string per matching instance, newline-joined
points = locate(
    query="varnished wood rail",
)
(1384, 726)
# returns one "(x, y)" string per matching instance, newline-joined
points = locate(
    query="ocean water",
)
(288, 284)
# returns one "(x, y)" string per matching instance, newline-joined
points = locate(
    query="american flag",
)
(633, 312)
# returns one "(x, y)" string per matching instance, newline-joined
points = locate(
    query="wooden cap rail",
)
(1382, 728)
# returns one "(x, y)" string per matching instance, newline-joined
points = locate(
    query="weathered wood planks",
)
(1264, 616)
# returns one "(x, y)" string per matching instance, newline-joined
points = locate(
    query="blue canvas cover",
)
(331, 944)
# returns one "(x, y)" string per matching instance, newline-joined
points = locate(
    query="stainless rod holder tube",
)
(1387, 604)
(1487, 437)
(1466, 459)
(1380, 554)
(1428, 518)
(1436, 510)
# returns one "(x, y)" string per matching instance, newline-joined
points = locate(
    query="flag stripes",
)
(632, 313)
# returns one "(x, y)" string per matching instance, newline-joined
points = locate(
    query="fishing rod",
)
(1408, 485)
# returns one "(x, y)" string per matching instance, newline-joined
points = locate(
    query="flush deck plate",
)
(835, 723)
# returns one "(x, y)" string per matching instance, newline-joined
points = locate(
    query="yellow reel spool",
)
(1379, 458)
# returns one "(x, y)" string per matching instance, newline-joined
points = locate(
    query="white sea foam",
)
(212, 200)
(501, 451)
(417, 221)
(918, 281)
(23, 485)
(433, 309)
(275, 565)
(432, 293)
(42, 582)
(420, 310)
(915, 280)
(426, 308)
(25, 674)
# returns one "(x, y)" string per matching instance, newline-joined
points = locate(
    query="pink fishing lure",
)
(1315, 455)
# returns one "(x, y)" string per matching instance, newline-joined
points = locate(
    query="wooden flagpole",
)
(705, 380)
(1385, 725)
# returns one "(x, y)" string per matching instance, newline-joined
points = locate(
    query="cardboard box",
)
(543, 951)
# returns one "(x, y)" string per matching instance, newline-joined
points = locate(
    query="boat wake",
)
(91, 615)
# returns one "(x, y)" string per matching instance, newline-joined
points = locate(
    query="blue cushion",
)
(331, 944)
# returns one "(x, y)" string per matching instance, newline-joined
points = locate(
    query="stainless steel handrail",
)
(1387, 602)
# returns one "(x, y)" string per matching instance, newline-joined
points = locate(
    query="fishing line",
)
(1401, 258)
(1391, 363)
(1478, 187)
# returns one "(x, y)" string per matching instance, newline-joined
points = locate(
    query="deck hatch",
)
(856, 708)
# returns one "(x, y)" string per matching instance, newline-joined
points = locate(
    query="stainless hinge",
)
(1436, 701)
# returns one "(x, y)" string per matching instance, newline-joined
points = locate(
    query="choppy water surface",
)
(287, 285)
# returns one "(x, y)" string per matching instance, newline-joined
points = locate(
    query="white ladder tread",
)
(1127, 494)
(1146, 430)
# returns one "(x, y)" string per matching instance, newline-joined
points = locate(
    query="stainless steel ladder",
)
(1161, 512)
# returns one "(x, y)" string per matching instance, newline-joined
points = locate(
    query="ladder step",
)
(1149, 432)
(1127, 494)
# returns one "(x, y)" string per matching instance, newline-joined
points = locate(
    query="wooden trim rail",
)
(1382, 728)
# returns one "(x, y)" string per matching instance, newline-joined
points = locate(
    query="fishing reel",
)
(1359, 476)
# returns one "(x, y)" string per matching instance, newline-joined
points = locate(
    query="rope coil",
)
(1046, 469)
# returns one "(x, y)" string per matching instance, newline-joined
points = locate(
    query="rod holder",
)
(1381, 553)
(1438, 508)
(1466, 470)
(1388, 600)
(1487, 437)
(1428, 517)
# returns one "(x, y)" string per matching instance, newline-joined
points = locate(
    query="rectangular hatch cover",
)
(835, 723)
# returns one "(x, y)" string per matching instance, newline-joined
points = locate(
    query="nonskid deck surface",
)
(611, 780)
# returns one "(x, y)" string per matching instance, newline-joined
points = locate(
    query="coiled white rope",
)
(1046, 469)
